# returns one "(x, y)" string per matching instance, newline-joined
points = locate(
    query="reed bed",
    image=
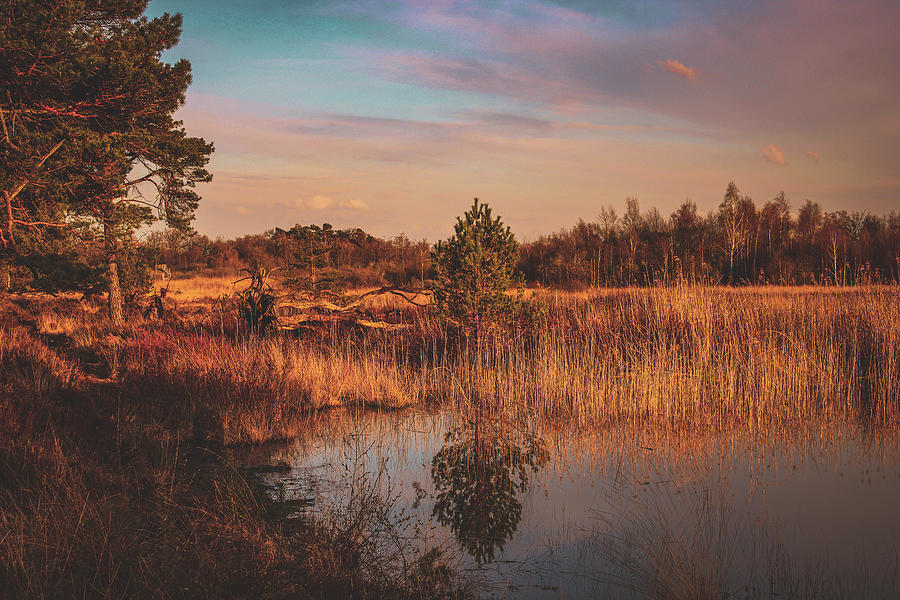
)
(693, 356)
(254, 390)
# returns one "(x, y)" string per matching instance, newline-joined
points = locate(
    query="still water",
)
(523, 511)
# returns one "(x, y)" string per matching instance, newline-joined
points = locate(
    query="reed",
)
(685, 356)
(703, 357)
(692, 356)
(254, 390)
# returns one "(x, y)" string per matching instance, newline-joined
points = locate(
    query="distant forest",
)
(738, 243)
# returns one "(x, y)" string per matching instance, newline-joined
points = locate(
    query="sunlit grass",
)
(699, 356)
(189, 289)
(256, 390)
(692, 357)
(683, 359)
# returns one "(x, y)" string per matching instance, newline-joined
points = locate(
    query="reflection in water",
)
(478, 475)
(626, 512)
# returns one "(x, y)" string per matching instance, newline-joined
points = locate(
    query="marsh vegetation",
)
(737, 384)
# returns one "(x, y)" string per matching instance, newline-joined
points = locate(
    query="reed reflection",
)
(478, 476)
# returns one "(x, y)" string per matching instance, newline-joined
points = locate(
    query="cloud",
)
(323, 202)
(491, 76)
(317, 202)
(678, 68)
(774, 155)
(570, 61)
(813, 156)
(353, 204)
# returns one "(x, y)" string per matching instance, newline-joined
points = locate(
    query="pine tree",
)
(88, 134)
(475, 269)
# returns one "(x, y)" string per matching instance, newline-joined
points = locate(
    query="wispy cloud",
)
(586, 61)
(353, 204)
(507, 121)
(323, 202)
(501, 78)
(520, 100)
(774, 155)
(678, 68)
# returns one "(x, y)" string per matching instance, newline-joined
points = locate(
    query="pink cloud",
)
(576, 62)
(813, 156)
(323, 202)
(774, 155)
(678, 68)
(487, 76)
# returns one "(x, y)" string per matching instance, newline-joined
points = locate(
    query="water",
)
(538, 512)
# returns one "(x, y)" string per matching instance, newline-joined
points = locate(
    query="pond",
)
(527, 511)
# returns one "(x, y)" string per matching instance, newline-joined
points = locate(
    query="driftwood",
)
(294, 309)
(300, 309)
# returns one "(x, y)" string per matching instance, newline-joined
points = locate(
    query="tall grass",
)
(98, 500)
(694, 356)
(254, 390)
(93, 506)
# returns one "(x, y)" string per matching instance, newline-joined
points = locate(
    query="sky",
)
(393, 115)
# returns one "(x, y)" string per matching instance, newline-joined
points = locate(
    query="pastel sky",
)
(393, 115)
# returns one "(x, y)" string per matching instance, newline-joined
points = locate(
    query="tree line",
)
(313, 256)
(738, 243)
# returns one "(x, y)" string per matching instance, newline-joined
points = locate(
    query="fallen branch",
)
(325, 307)
(295, 322)
(292, 310)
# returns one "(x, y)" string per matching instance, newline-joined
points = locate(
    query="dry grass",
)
(256, 390)
(97, 500)
(692, 356)
(696, 357)
(89, 507)
(190, 289)
(105, 480)
(706, 356)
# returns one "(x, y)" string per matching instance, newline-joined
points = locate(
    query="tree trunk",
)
(730, 263)
(115, 289)
(115, 293)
